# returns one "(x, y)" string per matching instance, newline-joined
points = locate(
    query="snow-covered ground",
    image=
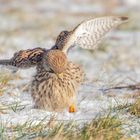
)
(31, 24)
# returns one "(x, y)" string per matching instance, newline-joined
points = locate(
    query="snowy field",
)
(28, 24)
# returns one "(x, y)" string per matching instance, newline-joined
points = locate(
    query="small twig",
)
(130, 87)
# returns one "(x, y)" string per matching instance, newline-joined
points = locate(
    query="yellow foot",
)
(72, 109)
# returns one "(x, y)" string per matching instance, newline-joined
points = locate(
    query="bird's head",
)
(55, 60)
(62, 39)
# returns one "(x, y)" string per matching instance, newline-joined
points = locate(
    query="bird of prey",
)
(88, 34)
(57, 79)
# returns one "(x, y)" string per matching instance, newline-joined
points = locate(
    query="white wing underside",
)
(89, 33)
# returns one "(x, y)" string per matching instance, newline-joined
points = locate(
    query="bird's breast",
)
(53, 92)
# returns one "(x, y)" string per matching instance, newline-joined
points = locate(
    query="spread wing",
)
(86, 35)
(25, 58)
(89, 33)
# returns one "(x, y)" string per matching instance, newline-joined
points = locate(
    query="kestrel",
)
(57, 79)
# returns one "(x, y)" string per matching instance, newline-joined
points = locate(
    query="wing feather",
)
(89, 33)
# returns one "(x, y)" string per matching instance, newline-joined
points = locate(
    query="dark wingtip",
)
(124, 18)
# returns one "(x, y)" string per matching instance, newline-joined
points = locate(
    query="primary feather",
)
(89, 33)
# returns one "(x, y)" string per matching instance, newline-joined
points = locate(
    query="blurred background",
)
(28, 24)
(33, 23)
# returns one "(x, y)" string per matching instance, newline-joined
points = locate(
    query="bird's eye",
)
(64, 33)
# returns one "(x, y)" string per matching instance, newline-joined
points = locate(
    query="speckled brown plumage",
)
(55, 92)
(62, 39)
(55, 60)
(57, 80)
(25, 58)
(88, 34)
